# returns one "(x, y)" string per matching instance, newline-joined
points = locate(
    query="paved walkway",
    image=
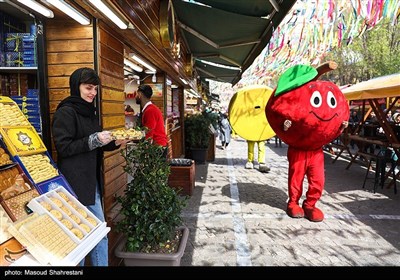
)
(237, 216)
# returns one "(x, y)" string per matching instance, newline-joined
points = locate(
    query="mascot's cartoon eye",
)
(331, 100)
(316, 99)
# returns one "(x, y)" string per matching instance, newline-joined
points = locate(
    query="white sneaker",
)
(264, 168)
(249, 165)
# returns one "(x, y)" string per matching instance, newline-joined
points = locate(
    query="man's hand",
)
(344, 125)
(286, 125)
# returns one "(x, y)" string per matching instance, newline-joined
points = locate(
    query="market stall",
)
(42, 222)
(370, 93)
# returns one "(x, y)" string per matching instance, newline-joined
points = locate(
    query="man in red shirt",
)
(152, 117)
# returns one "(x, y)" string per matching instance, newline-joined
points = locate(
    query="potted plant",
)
(151, 210)
(197, 136)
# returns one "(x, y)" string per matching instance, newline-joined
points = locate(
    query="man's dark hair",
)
(146, 90)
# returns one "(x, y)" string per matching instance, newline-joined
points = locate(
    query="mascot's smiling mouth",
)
(324, 120)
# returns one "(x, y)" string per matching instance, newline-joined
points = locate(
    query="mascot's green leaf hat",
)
(294, 77)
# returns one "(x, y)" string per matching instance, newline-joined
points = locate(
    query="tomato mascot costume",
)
(306, 114)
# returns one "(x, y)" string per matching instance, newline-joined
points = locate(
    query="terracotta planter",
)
(147, 259)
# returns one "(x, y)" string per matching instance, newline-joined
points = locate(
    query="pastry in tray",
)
(12, 182)
(4, 158)
(127, 134)
(39, 167)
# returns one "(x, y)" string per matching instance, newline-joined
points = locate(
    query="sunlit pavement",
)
(236, 216)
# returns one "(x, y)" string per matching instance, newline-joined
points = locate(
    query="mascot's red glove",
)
(306, 114)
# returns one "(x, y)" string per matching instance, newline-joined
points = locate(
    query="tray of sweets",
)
(127, 134)
(13, 181)
(5, 158)
(10, 114)
(68, 212)
(43, 238)
(39, 167)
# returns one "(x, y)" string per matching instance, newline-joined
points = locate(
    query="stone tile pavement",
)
(237, 216)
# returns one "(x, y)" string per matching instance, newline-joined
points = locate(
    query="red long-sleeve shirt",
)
(152, 119)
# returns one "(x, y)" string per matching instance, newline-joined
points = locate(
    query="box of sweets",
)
(16, 206)
(5, 157)
(44, 239)
(10, 113)
(13, 181)
(68, 212)
(61, 231)
(14, 59)
(13, 42)
(22, 140)
(38, 167)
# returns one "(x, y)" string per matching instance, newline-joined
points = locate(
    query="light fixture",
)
(132, 65)
(38, 8)
(108, 13)
(184, 81)
(169, 82)
(145, 64)
(154, 78)
(70, 11)
(147, 71)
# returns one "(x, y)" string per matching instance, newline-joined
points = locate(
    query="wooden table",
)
(361, 141)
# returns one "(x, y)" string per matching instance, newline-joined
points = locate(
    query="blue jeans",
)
(99, 254)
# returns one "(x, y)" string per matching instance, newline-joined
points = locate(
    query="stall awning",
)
(382, 87)
(228, 32)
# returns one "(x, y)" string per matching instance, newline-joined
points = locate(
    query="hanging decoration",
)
(314, 28)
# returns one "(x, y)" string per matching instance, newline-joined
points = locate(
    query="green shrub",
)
(151, 209)
(197, 133)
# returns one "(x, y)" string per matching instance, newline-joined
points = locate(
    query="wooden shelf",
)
(32, 70)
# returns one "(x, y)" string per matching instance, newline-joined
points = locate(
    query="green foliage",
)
(213, 118)
(151, 209)
(197, 133)
(375, 53)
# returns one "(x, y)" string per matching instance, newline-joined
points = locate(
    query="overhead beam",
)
(212, 43)
(198, 35)
(227, 59)
(274, 4)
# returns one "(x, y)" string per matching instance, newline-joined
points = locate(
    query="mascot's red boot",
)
(306, 114)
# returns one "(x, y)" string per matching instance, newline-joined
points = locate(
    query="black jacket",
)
(80, 166)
